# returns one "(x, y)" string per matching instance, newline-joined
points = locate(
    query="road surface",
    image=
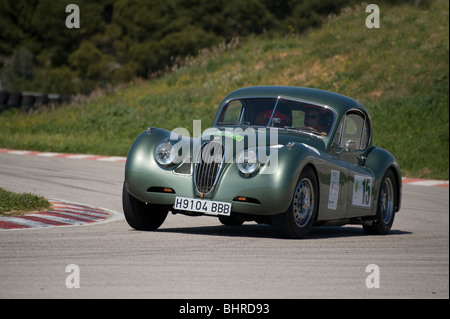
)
(197, 257)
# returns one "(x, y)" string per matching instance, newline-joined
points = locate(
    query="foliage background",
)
(120, 40)
(400, 72)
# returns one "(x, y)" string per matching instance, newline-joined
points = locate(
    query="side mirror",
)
(350, 146)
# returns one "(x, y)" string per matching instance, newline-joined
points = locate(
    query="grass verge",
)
(14, 204)
(399, 72)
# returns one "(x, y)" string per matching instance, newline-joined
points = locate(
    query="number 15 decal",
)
(362, 191)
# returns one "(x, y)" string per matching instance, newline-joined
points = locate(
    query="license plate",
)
(203, 206)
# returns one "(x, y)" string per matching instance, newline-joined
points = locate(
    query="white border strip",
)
(113, 217)
(423, 182)
(65, 155)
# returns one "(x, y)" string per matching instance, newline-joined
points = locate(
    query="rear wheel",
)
(142, 216)
(297, 221)
(385, 208)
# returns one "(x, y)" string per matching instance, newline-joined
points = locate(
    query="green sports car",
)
(290, 157)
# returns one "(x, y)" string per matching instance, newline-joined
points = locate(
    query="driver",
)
(312, 119)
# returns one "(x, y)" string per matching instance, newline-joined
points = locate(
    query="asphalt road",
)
(197, 257)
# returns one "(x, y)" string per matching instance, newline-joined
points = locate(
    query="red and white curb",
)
(63, 214)
(424, 182)
(64, 155)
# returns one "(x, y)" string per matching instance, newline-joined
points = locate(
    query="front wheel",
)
(142, 216)
(231, 220)
(297, 221)
(385, 208)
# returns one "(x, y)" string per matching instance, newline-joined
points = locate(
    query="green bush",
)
(121, 39)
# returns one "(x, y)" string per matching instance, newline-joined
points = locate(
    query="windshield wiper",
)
(234, 123)
(307, 129)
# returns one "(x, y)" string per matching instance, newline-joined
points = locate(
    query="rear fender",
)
(379, 161)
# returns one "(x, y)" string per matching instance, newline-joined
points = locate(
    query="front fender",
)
(274, 184)
(140, 157)
(142, 171)
(379, 161)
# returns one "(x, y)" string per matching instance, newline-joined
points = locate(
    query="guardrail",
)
(28, 101)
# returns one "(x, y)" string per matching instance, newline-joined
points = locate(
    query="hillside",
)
(50, 45)
(400, 72)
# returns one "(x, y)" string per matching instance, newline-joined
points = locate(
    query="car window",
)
(278, 112)
(354, 127)
(338, 137)
(232, 112)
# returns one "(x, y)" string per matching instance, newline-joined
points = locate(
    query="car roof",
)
(339, 102)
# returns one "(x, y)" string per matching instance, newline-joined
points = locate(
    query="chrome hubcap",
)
(386, 205)
(303, 202)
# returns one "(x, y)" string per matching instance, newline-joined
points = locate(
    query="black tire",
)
(3, 97)
(27, 102)
(230, 221)
(14, 100)
(297, 221)
(41, 99)
(142, 216)
(385, 207)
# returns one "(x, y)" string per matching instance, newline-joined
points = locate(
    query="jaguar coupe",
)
(290, 157)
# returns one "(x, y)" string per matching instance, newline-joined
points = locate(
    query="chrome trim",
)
(154, 154)
(367, 120)
(202, 171)
(179, 167)
(273, 112)
(257, 159)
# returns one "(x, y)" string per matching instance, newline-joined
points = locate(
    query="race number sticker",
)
(334, 190)
(362, 191)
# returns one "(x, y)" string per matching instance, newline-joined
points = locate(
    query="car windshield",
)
(277, 112)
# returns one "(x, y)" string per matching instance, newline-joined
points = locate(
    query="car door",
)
(353, 145)
(333, 187)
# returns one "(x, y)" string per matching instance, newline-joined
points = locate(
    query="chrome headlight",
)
(247, 162)
(165, 153)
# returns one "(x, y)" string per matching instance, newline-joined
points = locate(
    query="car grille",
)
(208, 166)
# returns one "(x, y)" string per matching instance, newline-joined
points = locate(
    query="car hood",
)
(249, 137)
